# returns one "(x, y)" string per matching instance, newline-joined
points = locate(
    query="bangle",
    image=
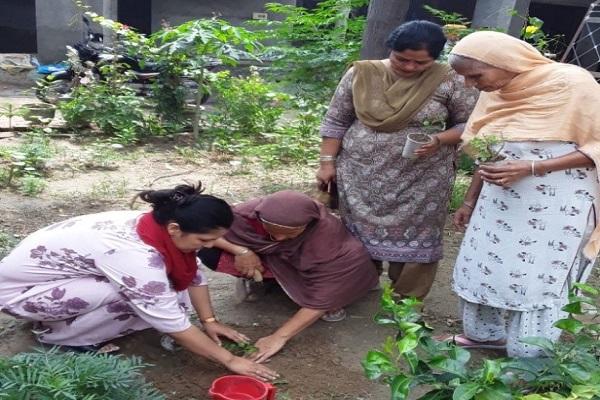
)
(208, 320)
(325, 158)
(436, 140)
(241, 253)
(471, 206)
(533, 170)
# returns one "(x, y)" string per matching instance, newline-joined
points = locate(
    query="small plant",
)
(108, 189)
(485, 149)
(547, 44)
(9, 111)
(413, 358)
(28, 159)
(7, 243)
(50, 374)
(240, 349)
(459, 190)
(31, 185)
(312, 48)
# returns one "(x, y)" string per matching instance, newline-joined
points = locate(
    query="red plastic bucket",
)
(238, 387)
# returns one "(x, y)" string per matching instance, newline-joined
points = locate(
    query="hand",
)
(215, 329)
(326, 174)
(246, 264)
(461, 218)
(505, 173)
(243, 366)
(429, 148)
(267, 347)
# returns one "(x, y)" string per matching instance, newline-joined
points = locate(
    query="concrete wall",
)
(58, 25)
(179, 11)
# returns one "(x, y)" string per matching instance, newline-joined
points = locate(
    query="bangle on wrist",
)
(469, 205)
(533, 170)
(241, 253)
(208, 320)
(327, 158)
(436, 139)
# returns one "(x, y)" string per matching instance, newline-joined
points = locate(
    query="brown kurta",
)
(325, 268)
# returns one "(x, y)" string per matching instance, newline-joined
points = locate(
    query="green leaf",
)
(407, 343)
(496, 392)
(540, 342)
(587, 289)
(400, 387)
(573, 308)
(466, 391)
(575, 371)
(570, 325)
(491, 370)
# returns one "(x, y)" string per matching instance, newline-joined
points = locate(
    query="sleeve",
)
(340, 114)
(461, 102)
(139, 274)
(200, 279)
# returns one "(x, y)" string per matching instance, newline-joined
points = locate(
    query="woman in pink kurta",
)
(97, 277)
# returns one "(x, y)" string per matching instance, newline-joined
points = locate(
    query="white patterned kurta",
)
(90, 279)
(523, 246)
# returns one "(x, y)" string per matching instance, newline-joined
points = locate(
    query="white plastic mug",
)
(413, 142)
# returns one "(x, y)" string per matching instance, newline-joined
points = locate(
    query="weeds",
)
(7, 243)
(31, 185)
(108, 189)
(459, 190)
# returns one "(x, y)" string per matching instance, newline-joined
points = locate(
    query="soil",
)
(322, 363)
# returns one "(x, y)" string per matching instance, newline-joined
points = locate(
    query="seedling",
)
(240, 349)
(486, 149)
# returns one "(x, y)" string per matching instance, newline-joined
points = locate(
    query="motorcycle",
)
(84, 63)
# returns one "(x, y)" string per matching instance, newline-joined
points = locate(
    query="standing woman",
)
(396, 206)
(93, 278)
(532, 219)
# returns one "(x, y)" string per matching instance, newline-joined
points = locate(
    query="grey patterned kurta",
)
(396, 206)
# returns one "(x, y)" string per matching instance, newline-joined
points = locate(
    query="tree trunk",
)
(382, 18)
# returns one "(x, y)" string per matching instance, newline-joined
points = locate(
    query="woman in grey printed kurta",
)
(94, 278)
(398, 206)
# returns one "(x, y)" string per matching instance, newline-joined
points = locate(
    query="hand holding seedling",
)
(505, 174)
(247, 263)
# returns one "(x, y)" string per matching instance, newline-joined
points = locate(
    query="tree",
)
(383, 16)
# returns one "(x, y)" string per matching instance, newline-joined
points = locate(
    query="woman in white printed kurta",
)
(101, 283)
(93, 278)
(532, 220)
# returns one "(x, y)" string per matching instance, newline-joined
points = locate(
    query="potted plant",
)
(485, 149)
(38, 113)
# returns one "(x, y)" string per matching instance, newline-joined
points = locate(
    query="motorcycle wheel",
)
(53, 91)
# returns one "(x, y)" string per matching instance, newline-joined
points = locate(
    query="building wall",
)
(58, 26)
(179, 11)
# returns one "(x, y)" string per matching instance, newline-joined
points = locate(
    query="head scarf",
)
(324, 268)
(546, 101)
(385, 102)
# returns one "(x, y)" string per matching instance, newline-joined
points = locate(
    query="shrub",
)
(50, 374)
(414, 358)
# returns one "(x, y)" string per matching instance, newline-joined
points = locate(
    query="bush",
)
(461, 185)
(414, 358)
(50, 374)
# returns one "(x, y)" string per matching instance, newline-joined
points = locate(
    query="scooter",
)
(84, 63)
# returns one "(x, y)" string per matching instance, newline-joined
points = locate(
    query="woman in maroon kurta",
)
(294, 239)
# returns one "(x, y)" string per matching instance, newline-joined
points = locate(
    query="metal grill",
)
(584, 49)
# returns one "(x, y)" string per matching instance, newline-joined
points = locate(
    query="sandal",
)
(462, 341)
(334, 316)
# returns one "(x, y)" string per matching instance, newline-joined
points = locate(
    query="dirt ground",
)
(323, 363)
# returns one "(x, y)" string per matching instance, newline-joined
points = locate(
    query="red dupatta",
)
(181, 267)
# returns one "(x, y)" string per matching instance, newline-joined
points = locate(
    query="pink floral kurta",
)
(90, 279)
(396, 206)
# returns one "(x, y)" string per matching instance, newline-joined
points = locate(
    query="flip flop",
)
(334, 316)
(466, 343)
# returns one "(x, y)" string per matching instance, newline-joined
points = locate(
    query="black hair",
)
(418, 35)
(185, 205)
